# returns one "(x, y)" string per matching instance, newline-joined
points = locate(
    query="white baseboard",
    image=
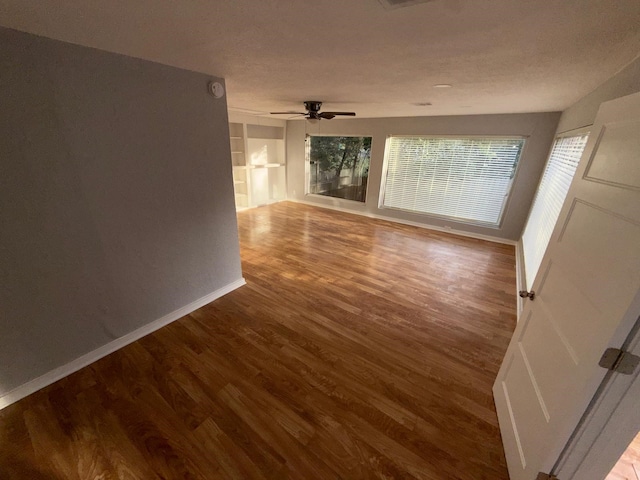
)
(88, 358)
(461, 233)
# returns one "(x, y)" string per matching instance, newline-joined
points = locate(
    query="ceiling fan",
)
(314, 113)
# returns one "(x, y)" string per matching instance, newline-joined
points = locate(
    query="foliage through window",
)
(339, 166)
(465, 179)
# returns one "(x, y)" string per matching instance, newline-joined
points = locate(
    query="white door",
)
(587, 297)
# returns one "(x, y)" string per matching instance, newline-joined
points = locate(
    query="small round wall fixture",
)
(216, 89)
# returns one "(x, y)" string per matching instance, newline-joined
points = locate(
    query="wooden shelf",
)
(267, 165)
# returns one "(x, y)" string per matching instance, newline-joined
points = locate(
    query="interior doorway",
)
(609, 430)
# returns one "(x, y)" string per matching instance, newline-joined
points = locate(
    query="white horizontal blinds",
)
(466, 179)
(550, 196)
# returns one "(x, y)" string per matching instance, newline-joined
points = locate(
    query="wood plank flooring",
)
(359, 349)
(628, 466)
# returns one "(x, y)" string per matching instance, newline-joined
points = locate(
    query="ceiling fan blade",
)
(349, 114)
(287, 113)
(327, 115)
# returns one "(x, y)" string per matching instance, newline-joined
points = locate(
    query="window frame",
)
(307, 167)
(576, 132)
(505, 206)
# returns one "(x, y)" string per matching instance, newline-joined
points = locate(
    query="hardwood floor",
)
(358, 349)
(628, 466)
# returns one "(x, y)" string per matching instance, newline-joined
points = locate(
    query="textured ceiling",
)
(502, 56)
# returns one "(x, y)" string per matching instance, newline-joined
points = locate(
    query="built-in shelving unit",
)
(258, 158)
(238, 160)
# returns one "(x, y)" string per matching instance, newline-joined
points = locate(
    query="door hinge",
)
(546, 476)
(530, 295)
(619, 361)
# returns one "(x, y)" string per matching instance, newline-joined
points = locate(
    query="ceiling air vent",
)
(392, 4)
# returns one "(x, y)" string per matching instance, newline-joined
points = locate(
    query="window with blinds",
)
(552, 191)
(465, 179)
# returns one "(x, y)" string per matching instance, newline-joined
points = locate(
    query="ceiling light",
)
(442, 85)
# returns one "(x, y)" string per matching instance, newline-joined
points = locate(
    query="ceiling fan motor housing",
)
(313, 106)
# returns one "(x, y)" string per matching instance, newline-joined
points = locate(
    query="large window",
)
(339, 166)
(552, 191)
(465, 179)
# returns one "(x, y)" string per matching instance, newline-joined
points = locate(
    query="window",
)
(552, 191)
(465, 179)
(339, 166)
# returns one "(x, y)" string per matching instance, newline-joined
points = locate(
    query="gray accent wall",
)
(539, 128)
(116, 199)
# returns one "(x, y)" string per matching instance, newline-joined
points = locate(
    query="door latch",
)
(524, 294)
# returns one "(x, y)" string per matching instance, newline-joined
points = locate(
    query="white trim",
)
(385, 171)
(73, 366)
(574, 132)
(339, 135)
(347, 201)
(521, 282)
(461, 233)
(454, 136)
(307, 160)
(506, 201)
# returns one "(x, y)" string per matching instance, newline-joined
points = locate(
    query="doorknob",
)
(525, 294)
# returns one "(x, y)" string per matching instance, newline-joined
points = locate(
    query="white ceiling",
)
(502, 56)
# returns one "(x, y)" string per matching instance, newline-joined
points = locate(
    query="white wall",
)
(242, 117)
(537, 127)
(583, 112)
(116, 200)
